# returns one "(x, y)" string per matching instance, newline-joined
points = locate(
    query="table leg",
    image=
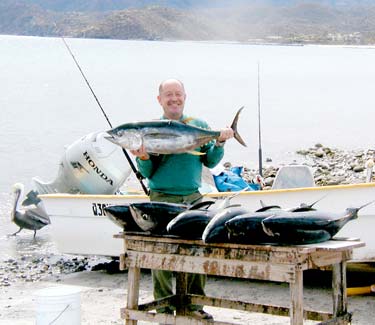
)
(340, 302)
(296, 295)
(134, 274)
(181, 291)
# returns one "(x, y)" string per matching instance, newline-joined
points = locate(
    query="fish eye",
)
(145, 216)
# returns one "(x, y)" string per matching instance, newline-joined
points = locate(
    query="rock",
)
(358, 169)
(319, 153)
(268, 181)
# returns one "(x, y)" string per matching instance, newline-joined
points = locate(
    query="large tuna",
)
(154, 216)
(307, 227)
(166, 136)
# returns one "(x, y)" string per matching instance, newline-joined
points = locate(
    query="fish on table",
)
(154, 216)
(247, 228)
(166, 136)
(121, 216)
(191, 223)
(215, 231)
(307, 227)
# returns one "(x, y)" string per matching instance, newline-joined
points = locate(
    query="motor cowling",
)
(90, 165)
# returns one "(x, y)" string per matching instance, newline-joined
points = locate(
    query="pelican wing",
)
(37, 215)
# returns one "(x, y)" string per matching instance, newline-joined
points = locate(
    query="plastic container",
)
(58, 306)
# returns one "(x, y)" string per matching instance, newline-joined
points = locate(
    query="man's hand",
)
(225, 134)
(141, 153)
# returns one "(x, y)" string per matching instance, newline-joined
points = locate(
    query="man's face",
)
(172, 98)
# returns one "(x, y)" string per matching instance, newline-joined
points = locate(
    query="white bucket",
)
(58, 306)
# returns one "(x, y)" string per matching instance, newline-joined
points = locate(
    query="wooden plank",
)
(327, 245)
(158, 303)
(256, 308)
(197, 243)
(321, 259)
(338, 245)
(181, 291)
(212, 266)
(340, 320)
(249, 254)
(133, 291)
(167, 319)
(340, 302)
(296, 299)
(122, 262)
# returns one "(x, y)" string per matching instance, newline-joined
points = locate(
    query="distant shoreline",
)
(356, 46)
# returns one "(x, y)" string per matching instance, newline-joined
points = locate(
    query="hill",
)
(283, 21)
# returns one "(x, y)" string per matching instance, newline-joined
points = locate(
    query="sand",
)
(103, 294)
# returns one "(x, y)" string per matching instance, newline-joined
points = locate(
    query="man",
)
(176, 178)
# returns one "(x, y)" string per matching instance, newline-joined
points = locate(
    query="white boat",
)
(79, 224)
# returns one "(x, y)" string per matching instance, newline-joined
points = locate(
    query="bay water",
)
(305, 95)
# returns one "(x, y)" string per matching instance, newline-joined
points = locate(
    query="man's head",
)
(172, 98)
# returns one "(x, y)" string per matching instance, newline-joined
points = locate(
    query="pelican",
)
(32, 217)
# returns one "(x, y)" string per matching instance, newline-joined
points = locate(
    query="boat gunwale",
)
(210, 194)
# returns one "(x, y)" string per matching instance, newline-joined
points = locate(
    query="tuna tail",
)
(365, 205)
(234, 128)
(353, 212)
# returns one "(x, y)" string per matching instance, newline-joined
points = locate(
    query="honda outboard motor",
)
(90, 165)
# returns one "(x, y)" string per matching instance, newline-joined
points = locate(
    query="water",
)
(308, 94)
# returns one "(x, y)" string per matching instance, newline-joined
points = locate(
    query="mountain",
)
(109, 5)
(280, 21)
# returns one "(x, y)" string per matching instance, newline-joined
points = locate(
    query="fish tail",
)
(365, 205)
(234, 128)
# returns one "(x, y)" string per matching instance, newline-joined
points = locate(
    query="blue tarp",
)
(231, 181)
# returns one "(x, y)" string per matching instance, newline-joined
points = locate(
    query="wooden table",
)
(261, 262)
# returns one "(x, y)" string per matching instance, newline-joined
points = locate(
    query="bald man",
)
(176, 178)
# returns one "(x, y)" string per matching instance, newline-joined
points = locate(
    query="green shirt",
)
(180, 174)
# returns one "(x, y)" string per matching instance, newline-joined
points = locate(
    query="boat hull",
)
(79, 224)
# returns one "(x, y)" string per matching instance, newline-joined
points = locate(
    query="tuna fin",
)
(267, 230)
(200, 205)
(196, 153)
(234, 128)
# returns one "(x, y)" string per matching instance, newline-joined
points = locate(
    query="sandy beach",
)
(103, 294)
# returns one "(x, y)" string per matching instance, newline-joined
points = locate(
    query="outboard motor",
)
(90, 165)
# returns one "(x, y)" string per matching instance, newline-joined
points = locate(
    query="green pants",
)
(162, 280)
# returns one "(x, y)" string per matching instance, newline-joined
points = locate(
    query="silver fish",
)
(191, 223)
(166, 136)
(215, 231)
(154, 216)
(281, 225)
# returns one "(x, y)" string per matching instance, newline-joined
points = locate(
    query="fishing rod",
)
(136, 172)
(259, 131)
